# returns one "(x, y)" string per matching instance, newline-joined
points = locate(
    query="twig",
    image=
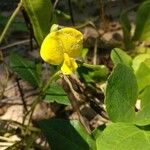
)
(31, 37)
(102, 14)
(35, 102)
(29, 26)
(2, 138)
(71, 12)
(21, 94)
(55, 4)
(95, 53)
(98, 109)
(73, 97)
(16, 99)
(4, 83)
(4, 144)
(14, 44)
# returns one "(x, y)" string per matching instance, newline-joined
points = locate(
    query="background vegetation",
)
(105, 105)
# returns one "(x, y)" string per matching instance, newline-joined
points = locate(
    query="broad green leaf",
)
(142, 31)
(143, 76)
(126, 26)
(119, 56)
(141, 66)
(121, 94)
(55, 93)
(41, 15)
(25, 68)
(138, 60)
(121, 136)
(66, 135)
(98, 131)
(143, 116)
(145, 96)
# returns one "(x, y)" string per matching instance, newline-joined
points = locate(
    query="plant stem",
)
(50, 81)
(11, 19)
(95, 53)
(92, 66)
(71, 12)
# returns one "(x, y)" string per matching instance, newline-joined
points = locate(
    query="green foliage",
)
(122, 136)
(121, 94)
(37, 11)
(142, 31)
(92, 73)
(97, 132)
(126, 26)
(143, 116)
(145, 96)
(17, 25)
(26, 69)
(119, 56)
(55, 93)
(66, 135)
(138, 60)
(130, 129)
(141, 66)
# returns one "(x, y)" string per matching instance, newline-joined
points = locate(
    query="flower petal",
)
(52, 50)
(69, 66)
(72, 41)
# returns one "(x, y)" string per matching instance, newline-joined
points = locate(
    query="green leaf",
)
(142, 31)
(145, 96)
(41, 15)
(55, 93)
(121, 136)
(141, 66)
(25, 68)
(126, 26)
(143, 116)
(143, 76)
(66, 135)
(121, 94)
(93, 73)
(119, 56)
(138, 60)
(98, 131)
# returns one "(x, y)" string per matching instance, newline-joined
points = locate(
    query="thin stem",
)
(11, 19)
(95, 53)
(15, 44)
(55, 4)
(50, 81)
(71, 12)
(22, 95)
(74, 98)
(35, 102)
(91, 66)
(102, 14)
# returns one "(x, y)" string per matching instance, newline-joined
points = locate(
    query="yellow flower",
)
(62, 46)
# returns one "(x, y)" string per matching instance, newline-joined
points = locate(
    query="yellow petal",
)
(72, 41)
(69, 66)
(58, 42)
(52, 50)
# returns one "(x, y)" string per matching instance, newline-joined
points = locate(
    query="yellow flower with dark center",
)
(62, 46)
